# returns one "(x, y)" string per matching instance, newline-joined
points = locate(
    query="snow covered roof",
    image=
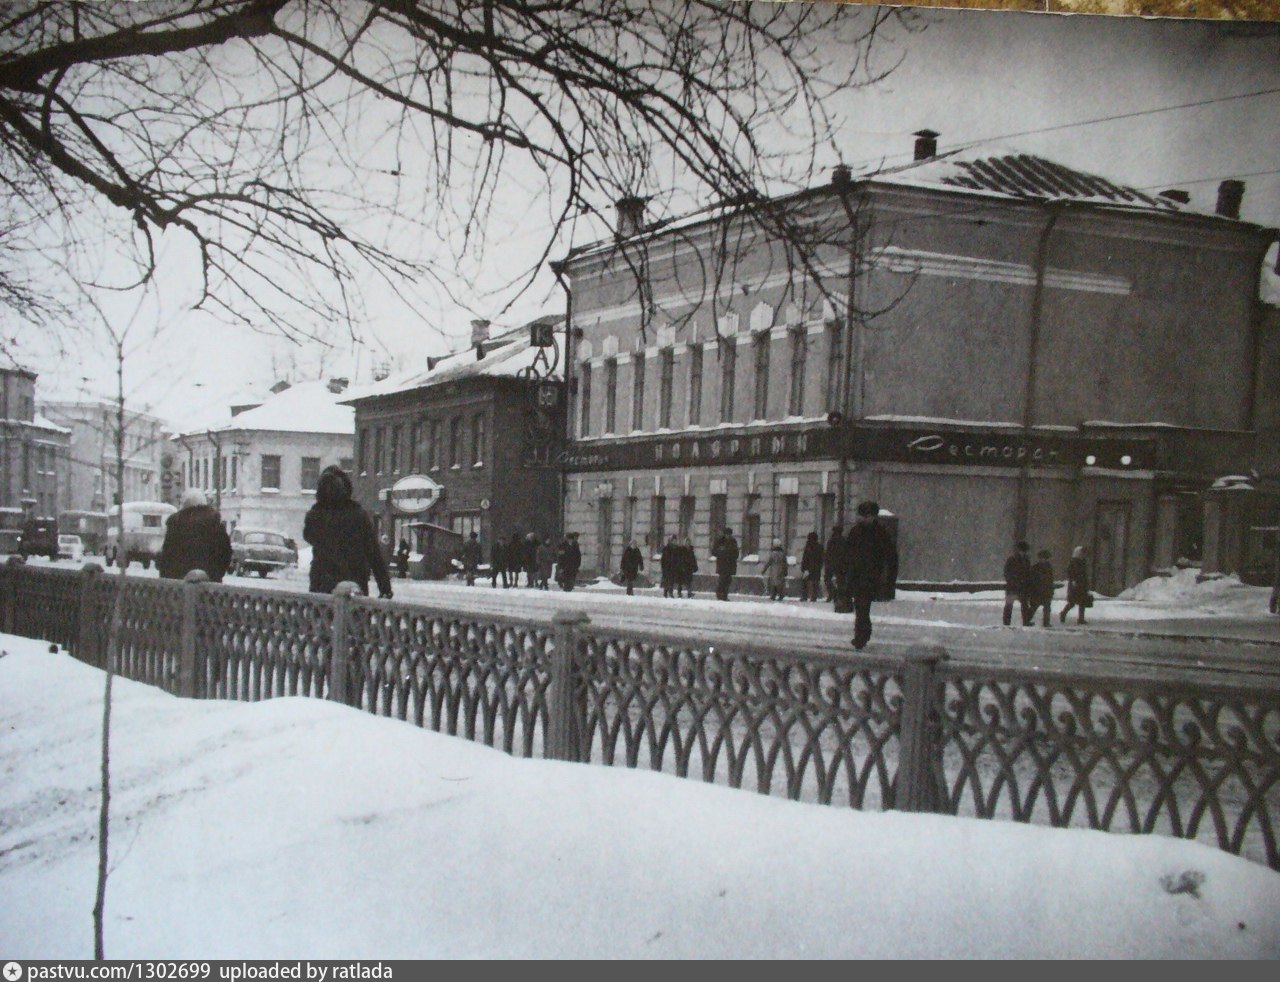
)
(506, 356)
(1006, 172)
(306, 407)
(41, 423)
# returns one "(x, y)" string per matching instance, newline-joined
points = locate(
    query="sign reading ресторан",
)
(414, 494)
(911, 445)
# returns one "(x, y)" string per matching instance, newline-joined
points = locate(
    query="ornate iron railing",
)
(1199, 762)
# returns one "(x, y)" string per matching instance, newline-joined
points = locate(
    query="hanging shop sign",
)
(415, 494)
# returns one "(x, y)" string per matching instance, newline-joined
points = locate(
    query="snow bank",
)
(1182, 590)
(297, 828)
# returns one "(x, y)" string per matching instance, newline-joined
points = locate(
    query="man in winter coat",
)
(569, 562)
(811, 567)
(546, 561)
(725, 553)
(632, 563)
(344, 544)
(195, 539)
(670, 564)
(1042, 586)
(515, 559)
(833, 564)
(530, 559)
(1077, 586)
(871, 566)
(686, 566)
(471, 558)
(1017, 583)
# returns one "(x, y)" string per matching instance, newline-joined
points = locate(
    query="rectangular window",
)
(835, 365)
(695, 384)
(658, 523)
(455, 442)
(234, 473)
(799, 352)
(787, 521)
(379, 450)
(610, 394)
(310, 473)
(728, 370)
(637, 391)
(477, 440)
(719, 516)
(826, 515)
(751, 525)
(394, 449)
(362, 449)
(668, 357)
(762, 344)
(688, 504)
(628, 519)
(415, 438)
(435, 452)
(584, 389)
(270, 472)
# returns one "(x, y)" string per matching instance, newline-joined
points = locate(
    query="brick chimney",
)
(279, 387)
(479, 335)
(926, 144)
(630, 216)
(337, 385)
(1230, 194)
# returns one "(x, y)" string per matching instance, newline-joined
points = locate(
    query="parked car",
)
(143, 532)
(257, 551)
(70, 547)
(39, 538)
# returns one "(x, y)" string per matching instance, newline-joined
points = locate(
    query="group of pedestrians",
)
(677, 562)
(1030, 586)
(528, 554)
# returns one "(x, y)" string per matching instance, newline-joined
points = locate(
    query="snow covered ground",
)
(296, 828)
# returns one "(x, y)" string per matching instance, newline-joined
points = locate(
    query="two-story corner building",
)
(1031, 352)
(33, 454)
(481, 430)
(261, 467)
(90, 485)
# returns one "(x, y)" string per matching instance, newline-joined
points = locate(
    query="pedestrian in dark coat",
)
(1042, 587)
(194, 538)
(833, 563)
(669, 563)
(498, 563)
(1077, 586)
(568, 562)
(632, 563)
(546, 561)
(344, 544)
(515, 558)
(871, 567)
(726, 554)
(811, 567)
(471, 558)
(686, 567)
(530, 558)
(402, 558)
(1017, 583)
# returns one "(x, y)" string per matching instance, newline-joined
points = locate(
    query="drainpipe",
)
(570, 404)
(1054, 211)
(853, 345)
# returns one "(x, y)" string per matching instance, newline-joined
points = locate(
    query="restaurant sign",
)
(415, 494)
(968, 448)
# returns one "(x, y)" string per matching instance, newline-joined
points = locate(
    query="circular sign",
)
(484, 504)
(415, 494)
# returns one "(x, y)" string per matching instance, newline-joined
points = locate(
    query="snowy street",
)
(298, 828)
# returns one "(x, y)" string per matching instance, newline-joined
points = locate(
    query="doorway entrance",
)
(1110, 546)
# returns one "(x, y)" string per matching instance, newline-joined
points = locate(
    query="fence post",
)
(13, 569)
(340, 641)
(566, 708)
(917, 788)
(87, 632)
(189, 673)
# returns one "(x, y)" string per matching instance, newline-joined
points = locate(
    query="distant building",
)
(33, 453)
(1034, 352)
(90, 485)
(260, 468)
(483, 428)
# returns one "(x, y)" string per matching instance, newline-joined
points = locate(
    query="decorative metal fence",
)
(912, 733)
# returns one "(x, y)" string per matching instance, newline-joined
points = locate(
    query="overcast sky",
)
(1030, 82)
